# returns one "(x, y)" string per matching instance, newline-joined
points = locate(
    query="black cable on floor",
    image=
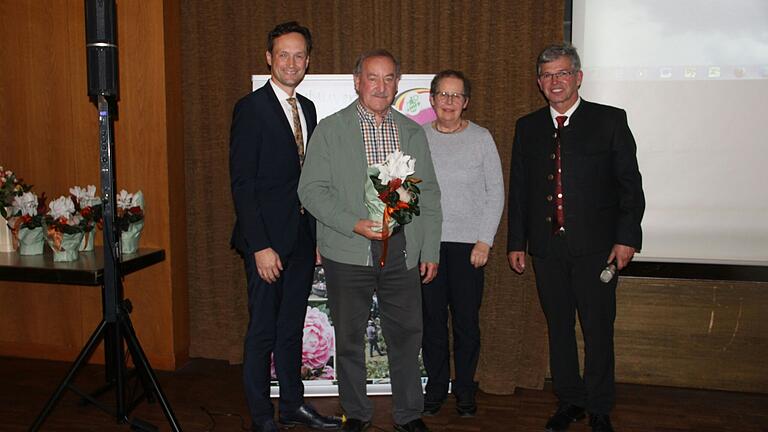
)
(213, 414)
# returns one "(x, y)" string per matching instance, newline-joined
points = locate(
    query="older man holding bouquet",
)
(369, 150)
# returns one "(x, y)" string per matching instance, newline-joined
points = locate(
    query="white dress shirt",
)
(282, 96)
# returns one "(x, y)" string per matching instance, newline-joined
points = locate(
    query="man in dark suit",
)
(575, 202)
(273, 233)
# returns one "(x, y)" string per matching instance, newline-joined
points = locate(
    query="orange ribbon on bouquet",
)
(56, 236)
(15, 231)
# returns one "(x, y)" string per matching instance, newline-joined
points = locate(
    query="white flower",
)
(405, 196)
(397, 166)
(86, 197)
(62, 207)
(75, 220)
(127, 200)
(138, 199)
(124, 200)
(26, 204)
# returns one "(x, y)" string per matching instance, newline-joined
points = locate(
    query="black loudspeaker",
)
(101, 47)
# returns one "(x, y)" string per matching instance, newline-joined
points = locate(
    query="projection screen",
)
(693, 78)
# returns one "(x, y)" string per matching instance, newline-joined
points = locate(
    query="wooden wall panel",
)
(49, 136)
(692, 333)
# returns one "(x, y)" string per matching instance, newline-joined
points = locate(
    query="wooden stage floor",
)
(206, 395)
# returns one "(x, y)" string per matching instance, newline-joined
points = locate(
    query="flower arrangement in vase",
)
(10, 187)
(26, 222)
(64, 229)
(90, 208)
(130, 220)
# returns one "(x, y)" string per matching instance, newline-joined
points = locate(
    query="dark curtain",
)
(223, 42)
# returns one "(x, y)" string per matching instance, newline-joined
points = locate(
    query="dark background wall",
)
(495, 43)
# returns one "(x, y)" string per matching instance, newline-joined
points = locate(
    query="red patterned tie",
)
(559, 212)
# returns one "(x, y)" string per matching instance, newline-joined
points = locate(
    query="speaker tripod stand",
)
(115, 327)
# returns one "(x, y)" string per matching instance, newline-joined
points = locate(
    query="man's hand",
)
(318, 258)
(268, 264)
(428, 271)
(479, 255)
(517, 261)
(365, 227)
(623, 255)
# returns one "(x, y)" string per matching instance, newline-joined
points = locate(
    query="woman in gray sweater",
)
(468, 170)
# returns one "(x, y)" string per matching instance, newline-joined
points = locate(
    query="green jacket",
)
(332, 189)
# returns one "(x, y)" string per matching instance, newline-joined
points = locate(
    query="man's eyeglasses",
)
(445, 96)
(559, 75)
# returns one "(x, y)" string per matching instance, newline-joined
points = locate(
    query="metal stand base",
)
(124, 335)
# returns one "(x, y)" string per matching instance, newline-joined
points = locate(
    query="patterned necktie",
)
(558, 177)
(297, 134)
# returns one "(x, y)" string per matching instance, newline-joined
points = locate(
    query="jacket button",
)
(549, 197)
(552, 156)
(548, 219)
(550, 177)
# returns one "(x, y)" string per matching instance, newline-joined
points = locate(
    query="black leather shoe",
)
(412, 426)
(267, 426)
(307, 416)
(355, 425)
(600, 423)
(466, 405)
(564, 416)
(431, 408)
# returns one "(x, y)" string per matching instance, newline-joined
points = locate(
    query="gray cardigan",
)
(332, 189)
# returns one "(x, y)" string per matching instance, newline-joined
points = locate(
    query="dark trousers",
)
(458, 286)
(373, 344)
(276, 326)
(567, 285)
(350, 288)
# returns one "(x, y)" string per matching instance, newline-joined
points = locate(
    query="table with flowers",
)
(87, 270)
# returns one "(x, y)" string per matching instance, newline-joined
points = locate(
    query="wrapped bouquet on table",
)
(10, 188)
(64, 228)
(26, 223)
(130, 220)
(90, 208)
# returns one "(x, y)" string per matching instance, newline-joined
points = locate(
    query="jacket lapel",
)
(278, 111)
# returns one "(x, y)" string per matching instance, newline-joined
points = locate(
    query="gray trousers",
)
(398, 290)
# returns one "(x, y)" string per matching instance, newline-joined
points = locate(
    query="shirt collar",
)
(279, 92)
(369, 116)
(553, 112)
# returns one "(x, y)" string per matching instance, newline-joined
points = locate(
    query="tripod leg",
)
(86, 351)
(121, 413)
(141, 362)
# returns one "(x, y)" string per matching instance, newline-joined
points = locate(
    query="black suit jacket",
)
(264, 173)
(602, 187)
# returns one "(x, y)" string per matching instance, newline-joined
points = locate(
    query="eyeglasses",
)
(445, 96)
(559, 75)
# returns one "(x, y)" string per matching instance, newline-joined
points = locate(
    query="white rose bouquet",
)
(391, 194)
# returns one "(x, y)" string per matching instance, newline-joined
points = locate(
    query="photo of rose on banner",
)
(330, 93)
